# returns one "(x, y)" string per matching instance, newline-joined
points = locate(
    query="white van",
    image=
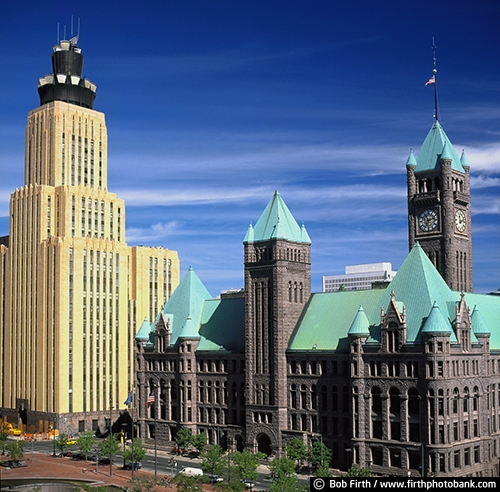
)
(191, 472)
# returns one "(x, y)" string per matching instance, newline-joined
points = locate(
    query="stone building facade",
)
(403, 380)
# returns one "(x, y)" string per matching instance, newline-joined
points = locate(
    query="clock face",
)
(428, 220)
(460, 221)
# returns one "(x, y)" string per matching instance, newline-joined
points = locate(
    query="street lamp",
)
(155, 403)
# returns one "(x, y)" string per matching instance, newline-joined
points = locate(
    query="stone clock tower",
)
(439, 215)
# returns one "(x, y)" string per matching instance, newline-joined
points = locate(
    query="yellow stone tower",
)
(71, 288)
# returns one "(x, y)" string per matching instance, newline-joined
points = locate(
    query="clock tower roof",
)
(437, 146)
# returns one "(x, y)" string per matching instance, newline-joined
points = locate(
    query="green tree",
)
(319, 455)
(183, 438)
(246, 463)
(199, 441)
(62, 442)
(283, 475)
(357, 471)
(3, 440)
(86, 442)
(139, 451)
(212, 460)
(188, 484)
(144, 483)
(15, 450)
(109, 447)
(296, 450)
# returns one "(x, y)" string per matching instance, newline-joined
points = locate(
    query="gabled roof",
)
(276, 222)
(437, 146)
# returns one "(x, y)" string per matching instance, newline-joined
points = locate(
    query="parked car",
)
(136, 465)
(212, 478)
(249, 484)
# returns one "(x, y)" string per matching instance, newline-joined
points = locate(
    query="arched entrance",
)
(264, 444)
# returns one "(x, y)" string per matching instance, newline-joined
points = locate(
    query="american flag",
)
(432, 80)
(151, 399)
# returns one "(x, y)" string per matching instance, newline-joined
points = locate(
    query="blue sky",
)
(212, 105)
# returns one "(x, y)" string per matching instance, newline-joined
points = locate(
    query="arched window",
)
(475, 400)
(376, 400)
(394, 402)
(455, 400)
(466, 400)
(414, 402)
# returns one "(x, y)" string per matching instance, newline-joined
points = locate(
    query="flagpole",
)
(434, 71)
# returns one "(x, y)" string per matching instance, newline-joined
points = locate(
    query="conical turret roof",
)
(277, 222)
(437, 146)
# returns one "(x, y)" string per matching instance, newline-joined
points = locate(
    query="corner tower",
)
(277, 287)
(439, 215)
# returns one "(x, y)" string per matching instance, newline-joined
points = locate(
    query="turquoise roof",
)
(435, 147)
(417, 286)
(276, 222)
(185, 306)
(479, 326)
(223, 325)
(435, 324)
(411, 161)
(360, 326)
(144, 331)
(463, 160)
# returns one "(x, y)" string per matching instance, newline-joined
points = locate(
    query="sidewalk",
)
(65, 469)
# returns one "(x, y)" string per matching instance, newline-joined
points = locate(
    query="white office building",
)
(359, 277)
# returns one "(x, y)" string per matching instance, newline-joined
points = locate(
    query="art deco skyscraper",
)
(71, 287)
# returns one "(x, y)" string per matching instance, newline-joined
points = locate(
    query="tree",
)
(319, 455)
(247, 463)
(62, 442)
(211, 460)
(188, 484)
(139, 451)
(144, 483)
(86, 442)
(199, 441)
(357, 471)
(283, 475)
(15, 450)
(296, 450)
(3, 440)
(183, 438)
(109, 447)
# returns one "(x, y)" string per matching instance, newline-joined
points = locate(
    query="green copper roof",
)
(479, 326)
(144, 331)
(435, 324)
(185, 306)
(435, 147)
(411, 161)
(360, 326)
(276, 222)
(223, 325)
(463, 160)
(419, 285)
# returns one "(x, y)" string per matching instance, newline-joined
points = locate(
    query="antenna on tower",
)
(71, 26)
(58, 38)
